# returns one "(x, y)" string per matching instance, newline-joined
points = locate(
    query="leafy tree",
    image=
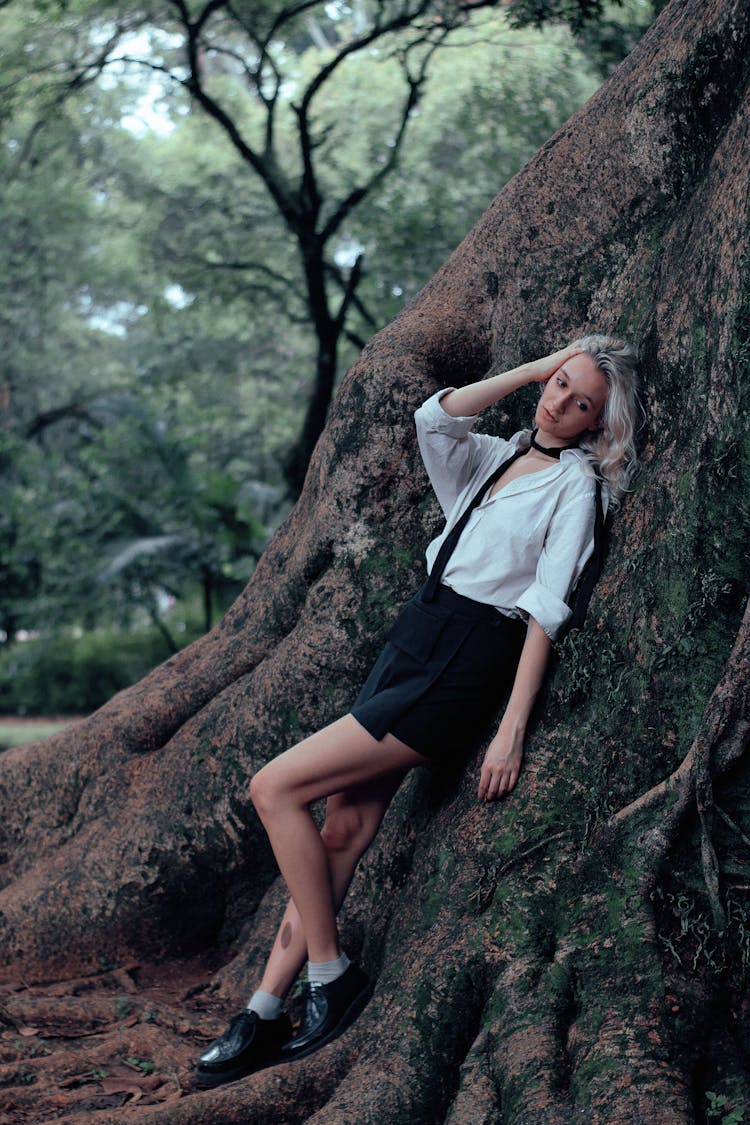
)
(490, 106)
(246, 66)
(53, 359)
(176, 297)
(611, 34)
(493, 101)
(107, 453)
(617, 17)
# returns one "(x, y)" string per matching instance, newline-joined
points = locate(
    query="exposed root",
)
(731, 824)
(721, 741)
(709, 859)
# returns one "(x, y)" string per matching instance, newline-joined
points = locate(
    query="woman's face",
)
(572, 401)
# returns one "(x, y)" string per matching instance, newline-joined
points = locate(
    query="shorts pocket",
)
(418, 628)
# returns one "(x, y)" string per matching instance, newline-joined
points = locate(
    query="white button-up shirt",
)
(522, 549)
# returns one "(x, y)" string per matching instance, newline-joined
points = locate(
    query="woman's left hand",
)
(501, 765)
(540, 370)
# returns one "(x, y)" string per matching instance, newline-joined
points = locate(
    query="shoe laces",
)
(315, 999)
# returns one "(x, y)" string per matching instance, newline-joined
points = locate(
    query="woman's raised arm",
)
(469, 400)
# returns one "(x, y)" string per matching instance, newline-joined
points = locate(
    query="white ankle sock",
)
(265, 1005)
(323, 972)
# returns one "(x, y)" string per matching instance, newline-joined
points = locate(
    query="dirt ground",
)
(72, 1049)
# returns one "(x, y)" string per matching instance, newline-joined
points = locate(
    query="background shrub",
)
(68, 675)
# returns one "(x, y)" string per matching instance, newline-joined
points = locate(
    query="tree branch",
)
(58, 414)
(289, 13)
(235, 56)
(355, 274)
(310, 191)
(265, 59)
(280, 298)
(157, 68)
(240, 265)
(255, 75)
(721, 741)
(211, 7)
(196, 26)
(358, 194)
(354, 338)
(356, 301)
(731, 824)
(265, 166)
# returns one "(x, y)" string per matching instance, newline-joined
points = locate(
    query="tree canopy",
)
(161, 351)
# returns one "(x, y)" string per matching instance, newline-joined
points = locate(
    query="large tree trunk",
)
(579, 952)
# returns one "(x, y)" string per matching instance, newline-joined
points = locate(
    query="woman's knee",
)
(348, 829)
(267, 790)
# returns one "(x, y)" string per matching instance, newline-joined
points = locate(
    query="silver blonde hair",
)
(610, 451)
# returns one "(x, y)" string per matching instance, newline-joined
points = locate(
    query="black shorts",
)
(442, 674)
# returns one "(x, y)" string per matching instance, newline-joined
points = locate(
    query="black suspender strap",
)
(448, 545)
(589, 575)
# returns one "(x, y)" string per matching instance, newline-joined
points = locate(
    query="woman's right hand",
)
(540, 370)
(502, 762)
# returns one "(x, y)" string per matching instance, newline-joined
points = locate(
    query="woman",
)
(499, 575)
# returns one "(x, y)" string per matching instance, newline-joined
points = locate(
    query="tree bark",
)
(327, 334)
(579, 952)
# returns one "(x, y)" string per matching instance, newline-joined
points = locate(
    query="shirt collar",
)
(522, 440)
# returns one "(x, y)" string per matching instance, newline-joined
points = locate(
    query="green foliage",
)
(145, 1065)
(492, 102)
(606, 31)
(718, 1108)
(607, 39)
(159, 346)
(577, 13)
(583, 15)
(65, 674)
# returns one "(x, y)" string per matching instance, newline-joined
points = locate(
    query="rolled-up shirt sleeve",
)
(567, 546)
(450, 451)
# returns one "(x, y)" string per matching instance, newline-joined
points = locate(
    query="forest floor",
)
(72, 1049)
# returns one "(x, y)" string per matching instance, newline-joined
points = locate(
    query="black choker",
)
(555, 451)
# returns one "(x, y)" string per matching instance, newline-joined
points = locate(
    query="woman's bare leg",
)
(352, 820)
(339, 757)
(359, 776)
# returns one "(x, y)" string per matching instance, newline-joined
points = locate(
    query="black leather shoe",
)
(329, 1009)
(248, 1044)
